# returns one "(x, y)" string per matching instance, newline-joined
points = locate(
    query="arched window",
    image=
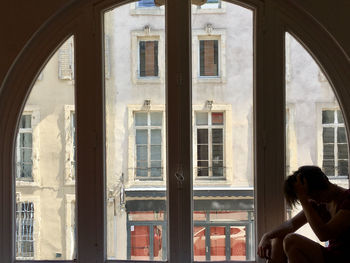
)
(161, 132)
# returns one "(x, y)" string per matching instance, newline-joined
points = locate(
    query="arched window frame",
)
(83, 20)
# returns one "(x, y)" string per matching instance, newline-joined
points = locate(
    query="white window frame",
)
(147, 35)
(35, 120)
(212, 34)
(134, 180)
(69, 147)
(340, 180)
(70, 209)
(228, 176)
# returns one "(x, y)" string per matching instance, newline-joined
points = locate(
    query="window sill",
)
(69, 182)
(20, 183)
(148, 80)
(200, 11)
(150, 11)
(210, 80)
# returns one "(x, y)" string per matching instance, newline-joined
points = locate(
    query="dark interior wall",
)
(19, 19)
(333, 16)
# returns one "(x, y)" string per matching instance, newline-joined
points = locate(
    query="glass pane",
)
(202, 118)
(156, 118)
(238, 243)
(217, 118)
(328, 135)
(315, 131)
(136, 218)
(328, 151)
(25, 140)
(199, 243)
(341, 136)
(156, 137)
(340, 117)
(217, 243)
(140, 119)
(142, 154)
(217, 135)
(202, 152)
(140, 242)
(202, 136)
(26, 121)
(156, 153)
(45, 164)
(223, 128)
(342, 151)
(343, 168)
(141, 137)
(327, 116)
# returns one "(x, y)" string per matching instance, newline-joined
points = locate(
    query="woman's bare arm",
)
(289, 226)
(323, 230)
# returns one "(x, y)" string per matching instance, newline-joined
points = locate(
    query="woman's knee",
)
(290, 242)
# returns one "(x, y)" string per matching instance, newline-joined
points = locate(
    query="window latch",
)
(180, 178)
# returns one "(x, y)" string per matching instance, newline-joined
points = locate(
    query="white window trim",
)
(228, 177)
(69, 249)
(152, 11)
(131, 147)
(33, 110)
(339, 180)
(35, 199)
(198, 11)
(215, 34)
(68, 110)
(67, 46)
(136, 37)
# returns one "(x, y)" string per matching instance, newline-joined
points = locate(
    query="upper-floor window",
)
(209, 58)
(24, 149)
(335, 151)
(148, 58)
(145, 3)
(24, 230)
(210, 144)
(211, 4)
(148, 143)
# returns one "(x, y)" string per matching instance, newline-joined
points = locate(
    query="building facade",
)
(135, 124)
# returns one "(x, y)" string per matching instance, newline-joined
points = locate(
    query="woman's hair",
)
(315, 178)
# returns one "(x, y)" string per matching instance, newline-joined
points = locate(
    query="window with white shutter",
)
(66, 60)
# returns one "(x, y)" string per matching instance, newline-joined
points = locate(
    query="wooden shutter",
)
(208, 57)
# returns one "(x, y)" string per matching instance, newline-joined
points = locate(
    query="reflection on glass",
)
(315, 129)
(222, 119)
(45, 164)
(135, 132)
(199, 243)
(217, 243)
(238, 243)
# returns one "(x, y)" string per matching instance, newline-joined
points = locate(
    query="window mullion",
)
(179, 157)
(269, 119)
